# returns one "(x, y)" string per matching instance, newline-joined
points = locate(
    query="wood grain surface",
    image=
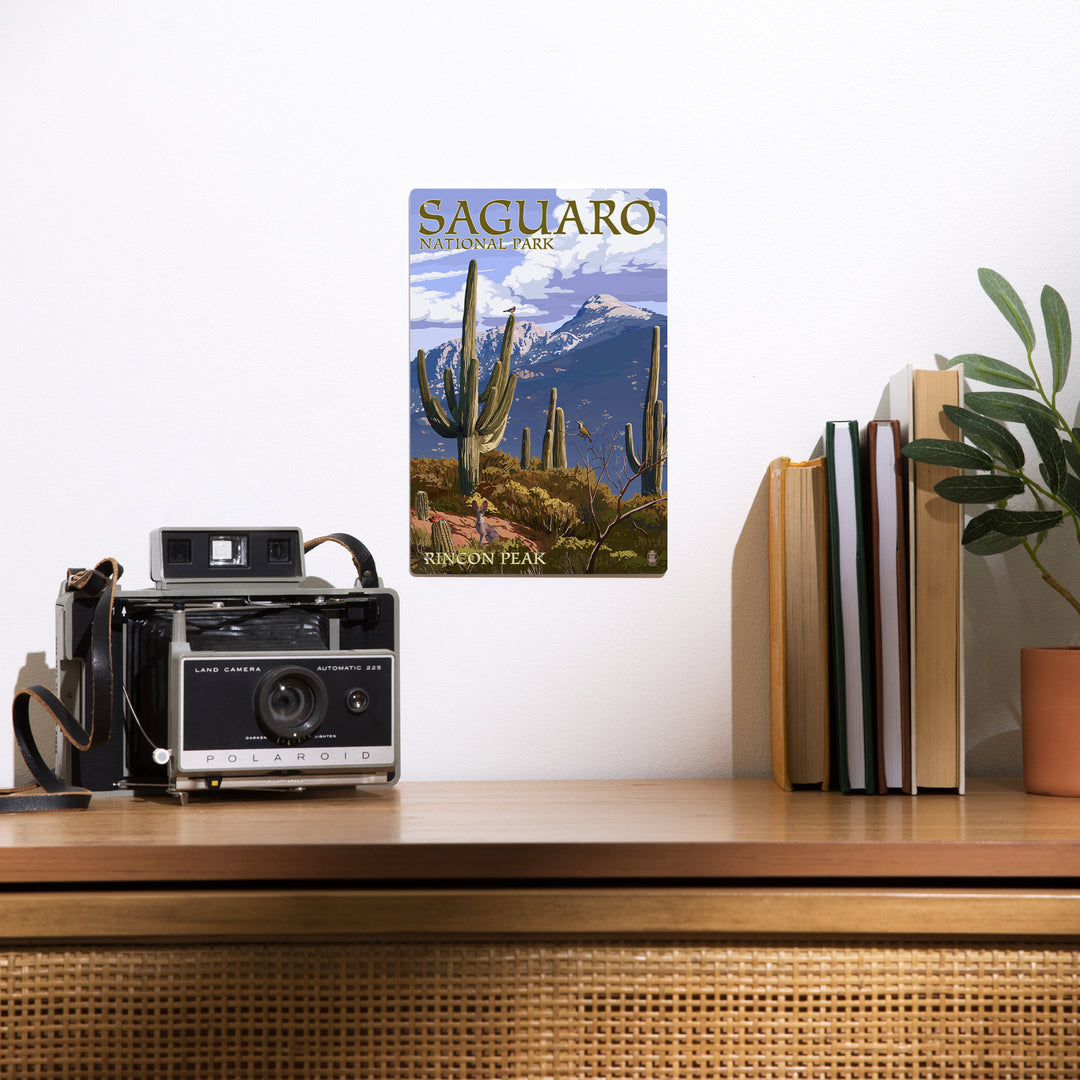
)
(561, 831)
(358, 914)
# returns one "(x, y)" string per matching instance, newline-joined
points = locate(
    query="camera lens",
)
(290, 704)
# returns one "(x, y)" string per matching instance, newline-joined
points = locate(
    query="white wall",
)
(203, 309)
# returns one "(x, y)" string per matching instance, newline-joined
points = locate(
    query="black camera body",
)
(237, 671)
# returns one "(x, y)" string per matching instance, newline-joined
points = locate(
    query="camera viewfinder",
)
(278, 550)
(178, 550)
(228, 551)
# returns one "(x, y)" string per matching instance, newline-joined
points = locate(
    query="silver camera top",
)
(226, 556)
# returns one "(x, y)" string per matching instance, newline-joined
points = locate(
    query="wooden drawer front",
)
(573, 1009)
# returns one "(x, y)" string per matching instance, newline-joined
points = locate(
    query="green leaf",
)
(979, 489)
(947, 452)
(982, 444)
(1072, 455)
(1010, 523)
(1048, 443)
(1003, 442)
(993, 544)
(1070, 493)
(1001, 405)
(1009, 304)
(1058, 333)
(996, 372)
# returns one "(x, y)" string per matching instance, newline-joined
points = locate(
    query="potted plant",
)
(998, 472)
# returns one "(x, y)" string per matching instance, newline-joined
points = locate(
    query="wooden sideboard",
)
(598, 928)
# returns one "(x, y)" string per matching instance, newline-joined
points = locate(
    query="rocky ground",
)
(463, 528)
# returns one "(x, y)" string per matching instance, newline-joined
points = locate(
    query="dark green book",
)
(852, 702)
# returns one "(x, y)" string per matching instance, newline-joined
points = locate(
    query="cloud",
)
(431, 306)
(576, 253)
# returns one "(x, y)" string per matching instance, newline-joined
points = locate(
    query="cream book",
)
(936, 596)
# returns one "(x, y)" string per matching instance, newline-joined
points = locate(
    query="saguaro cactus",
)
(554, 449)
(442, 539)
(476, 429)
(526, 449)
(422, 505)
(653, 431)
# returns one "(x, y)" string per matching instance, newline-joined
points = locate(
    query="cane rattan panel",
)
(576, 1010)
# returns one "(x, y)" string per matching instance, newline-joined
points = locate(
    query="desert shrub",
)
(432, 475)
(624, 562)
(438, 477)
(564, 507)
(569, 554)
(420, 537)
(534, 507)
(496, 467)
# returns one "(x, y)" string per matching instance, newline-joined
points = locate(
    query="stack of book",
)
(866, 605)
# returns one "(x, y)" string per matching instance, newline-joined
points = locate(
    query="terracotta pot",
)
(1050, 720)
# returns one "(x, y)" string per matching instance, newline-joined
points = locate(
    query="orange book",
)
(798, 623)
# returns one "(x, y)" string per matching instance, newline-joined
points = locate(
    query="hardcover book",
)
(936, 584)
(799, 623)
(538, 376)
(889, 581)
(851, 636)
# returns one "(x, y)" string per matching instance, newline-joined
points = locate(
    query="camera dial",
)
(290, 704)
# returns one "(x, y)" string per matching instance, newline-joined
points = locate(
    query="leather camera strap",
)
(50, 792)
(362, 559)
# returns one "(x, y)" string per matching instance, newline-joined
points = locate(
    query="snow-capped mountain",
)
(530, 345)
(597, 362)
(601, 317)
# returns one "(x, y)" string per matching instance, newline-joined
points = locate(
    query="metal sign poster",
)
(538, 375)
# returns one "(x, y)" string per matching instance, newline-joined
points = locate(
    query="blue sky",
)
(546, 284)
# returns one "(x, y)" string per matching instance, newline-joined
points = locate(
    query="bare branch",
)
(601, 450)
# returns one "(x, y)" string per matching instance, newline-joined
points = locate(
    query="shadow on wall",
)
(1006, 607)
(36, 671)
(750, 641)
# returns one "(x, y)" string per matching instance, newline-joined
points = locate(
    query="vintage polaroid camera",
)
(237, 671)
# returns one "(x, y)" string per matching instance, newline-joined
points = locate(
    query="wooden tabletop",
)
(690, 831)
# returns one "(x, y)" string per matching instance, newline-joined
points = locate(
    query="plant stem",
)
(1056, 585)
(1050, 579)
(1038, 381)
